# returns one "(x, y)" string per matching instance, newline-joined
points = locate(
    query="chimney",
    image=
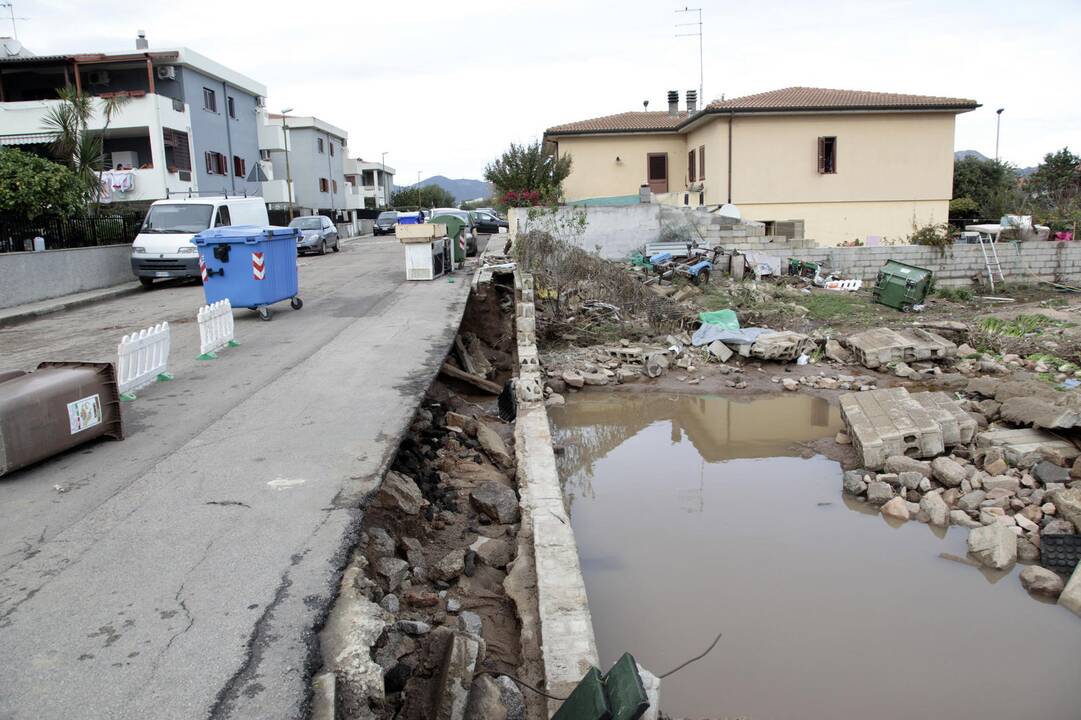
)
(140, 41)
(673, 102)
(692, 101)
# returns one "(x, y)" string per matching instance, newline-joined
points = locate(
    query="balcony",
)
(27, 118)
(271, 137)
(354, 200)
(277, 191)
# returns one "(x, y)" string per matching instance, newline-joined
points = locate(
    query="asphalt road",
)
(180, 573)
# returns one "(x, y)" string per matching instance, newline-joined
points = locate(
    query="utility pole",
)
(698, 34)
(11, 11)
(418, 188)
(383, 179)
(288, 172)
(998, 126)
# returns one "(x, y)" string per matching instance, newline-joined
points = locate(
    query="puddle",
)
(696, 515)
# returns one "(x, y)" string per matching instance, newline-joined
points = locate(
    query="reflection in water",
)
(695, 515)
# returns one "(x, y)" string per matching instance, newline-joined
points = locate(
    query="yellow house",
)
(850, 164)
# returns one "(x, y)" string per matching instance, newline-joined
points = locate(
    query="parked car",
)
(489, 222)
(385, 223)
(317, 233)
(470, 227)
(163, 247)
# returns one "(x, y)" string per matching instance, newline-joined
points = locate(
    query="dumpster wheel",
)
(296, 303)
(264, 312)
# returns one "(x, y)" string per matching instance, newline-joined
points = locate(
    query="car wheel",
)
(337, 246)
(323, 247)
(147, 282)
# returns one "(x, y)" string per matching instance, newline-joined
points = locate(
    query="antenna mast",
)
(698, 34)
(11, 11)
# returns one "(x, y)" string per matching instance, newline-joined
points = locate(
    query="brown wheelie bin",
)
(53, 409)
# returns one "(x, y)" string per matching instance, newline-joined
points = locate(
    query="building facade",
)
(371, 182)
(316, 163)
(185, 123)
(852, 165)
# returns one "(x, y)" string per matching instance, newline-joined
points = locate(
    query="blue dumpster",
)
(410, 218)
(252, 266)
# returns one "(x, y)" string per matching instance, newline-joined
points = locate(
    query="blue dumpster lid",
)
(243, 234)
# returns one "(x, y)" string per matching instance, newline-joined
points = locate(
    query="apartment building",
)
(315, 152)
(371, 182)
(187, 123)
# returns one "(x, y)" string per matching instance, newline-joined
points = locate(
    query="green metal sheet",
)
(626, 694)
(587, 702)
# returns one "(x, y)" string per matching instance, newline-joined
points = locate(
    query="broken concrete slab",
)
(993, 545)
(837, 353)
(720, 351)
(785, 346)
(879, 346)
(958, 427)
(460, 660)
(1071, 595)
(399, 492)
(497, 501)
(1067, 504)
(1026, 446)
(889, 422)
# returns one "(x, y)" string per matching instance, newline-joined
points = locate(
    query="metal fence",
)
(17, 233)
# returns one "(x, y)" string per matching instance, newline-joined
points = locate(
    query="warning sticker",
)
(85, 413)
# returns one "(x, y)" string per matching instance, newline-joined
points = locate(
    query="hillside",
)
(462, 189)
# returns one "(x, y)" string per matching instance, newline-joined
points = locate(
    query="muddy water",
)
(697, 515)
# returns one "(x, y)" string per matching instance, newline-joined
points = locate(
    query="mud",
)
(697, 515)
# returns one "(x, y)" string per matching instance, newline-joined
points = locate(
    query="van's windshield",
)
(186, 218)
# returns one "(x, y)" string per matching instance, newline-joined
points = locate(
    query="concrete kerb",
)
(32, 311)
(568, 645)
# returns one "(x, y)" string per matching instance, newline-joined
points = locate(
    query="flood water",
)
(697, 515)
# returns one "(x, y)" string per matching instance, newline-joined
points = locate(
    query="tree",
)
(991, 184)
(31, 185)
(529, 169)
(428, 196)
(77, 148)
(1057, 181)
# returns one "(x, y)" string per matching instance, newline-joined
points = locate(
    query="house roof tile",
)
(643, 121)
(811, 99)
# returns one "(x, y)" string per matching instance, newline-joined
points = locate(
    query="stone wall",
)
(959, 265)
(27, 277)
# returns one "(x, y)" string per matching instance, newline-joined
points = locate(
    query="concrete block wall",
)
(27, 277)
(959, 265)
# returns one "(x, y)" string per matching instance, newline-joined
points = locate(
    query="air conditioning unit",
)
(166, 72)
(98, 77)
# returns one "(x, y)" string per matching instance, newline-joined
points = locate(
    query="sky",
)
(444, 87)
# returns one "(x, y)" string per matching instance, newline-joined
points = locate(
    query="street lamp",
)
(998, 126)
(418, 188)
(383, 177)
(288, 171)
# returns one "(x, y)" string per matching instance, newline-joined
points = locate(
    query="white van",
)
(164, 248)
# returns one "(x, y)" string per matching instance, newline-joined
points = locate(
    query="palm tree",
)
(74, 146)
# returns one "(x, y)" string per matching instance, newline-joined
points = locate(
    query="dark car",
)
(317, 233)
(385, 223)
(489, 222)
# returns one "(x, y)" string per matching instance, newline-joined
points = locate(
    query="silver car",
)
(317, 233)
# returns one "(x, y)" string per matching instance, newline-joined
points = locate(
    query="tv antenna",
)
(11, 11)
(698, 34)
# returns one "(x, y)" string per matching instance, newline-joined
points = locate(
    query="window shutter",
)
(833, 153)
(821, 154)
(702, 162)
(209, 163)
(690, 166)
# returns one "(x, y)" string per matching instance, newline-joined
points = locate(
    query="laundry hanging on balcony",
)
(115, 184)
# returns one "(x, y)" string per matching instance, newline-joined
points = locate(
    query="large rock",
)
(1048, 472)
(493, 552)
(948, 472)
(896, 508)
(448, 567)
(1058, 526)
(463, 654)
(994, 545)
(493, 445)
(497, 501)
(393, 570)
(398, 492)
(961, 519)
(853, 482)
(879, 493)
(1002, 482)
(970, 502)
(485, 700)
(938, 512)
(837, 352)
(903, 463)
(573, 378)
(1071, 595)
(1068, 504)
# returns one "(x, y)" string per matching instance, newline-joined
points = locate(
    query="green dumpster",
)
(456, 233)
(901, 286)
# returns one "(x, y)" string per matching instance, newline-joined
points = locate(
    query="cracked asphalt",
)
(184, 571)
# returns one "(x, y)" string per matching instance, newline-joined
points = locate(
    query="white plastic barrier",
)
(845, 285)
(143, 357)
(215, 328)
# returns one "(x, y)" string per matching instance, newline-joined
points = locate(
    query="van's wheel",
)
(296, 303)
(702, 278)
(323, 248)
(264, 313)
(147, 282)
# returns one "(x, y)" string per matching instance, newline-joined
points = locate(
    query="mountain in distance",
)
(964, 154)
(462, 189)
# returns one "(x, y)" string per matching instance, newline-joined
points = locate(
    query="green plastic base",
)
(207, 356)
(233, 343)
(127, 397)
(165, 377)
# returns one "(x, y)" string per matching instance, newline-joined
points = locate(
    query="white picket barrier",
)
(215, 328)
(142, 358)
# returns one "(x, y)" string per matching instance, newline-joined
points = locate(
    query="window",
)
(264, 154)
(223, 217)
(319, 144)
(239, 166)
(334, 183)
(827, 155)
(210, 100)
(215, 163)
(230, 106)
(332, 149)
(701, 162)
(177, 153)
(690, 167)
(323, 185)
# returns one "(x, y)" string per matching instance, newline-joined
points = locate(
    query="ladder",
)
(990, 260)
